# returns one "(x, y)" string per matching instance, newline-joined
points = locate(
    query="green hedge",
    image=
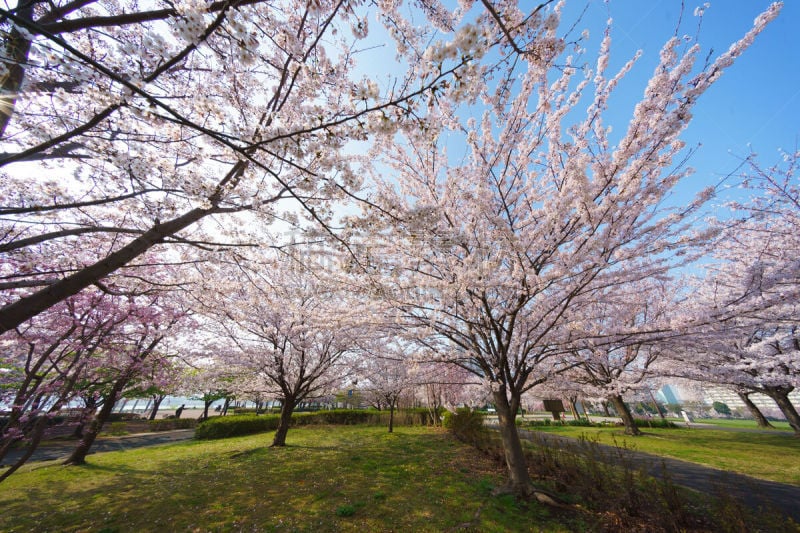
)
(220, 427)
(167, 424)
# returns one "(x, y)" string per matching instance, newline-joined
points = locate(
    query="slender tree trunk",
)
(574, 407)
(224, 410)
(36, 438)
(658, 407)
(157, 399)
(206, 405)
(625, 414)
(781, 397)
(391, 416)
(519, 479)
(286, 420)
(78, 456)
(761, 420)
(604, 404)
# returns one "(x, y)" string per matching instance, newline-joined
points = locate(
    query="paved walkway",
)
(751, 491)
(60, 450)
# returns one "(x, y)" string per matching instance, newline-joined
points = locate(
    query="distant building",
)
(669, 394)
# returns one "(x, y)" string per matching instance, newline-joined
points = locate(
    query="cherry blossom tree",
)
(489, 250)
(287, 323)
(153, 125)
(744, 309)
(59, 352)
(616, 340)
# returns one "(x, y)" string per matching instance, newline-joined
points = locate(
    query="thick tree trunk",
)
(17, 47)
(761, 420)
(781, 397)
(78, 456)
(519, 479)
(625, 414)
(286, 420)
(14, 314)
(86, 415)
(206, 405)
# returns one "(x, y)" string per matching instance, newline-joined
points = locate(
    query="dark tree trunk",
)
(86, 414)
(761, 420)
(625, 414)
(781, 397)
(36, 438)
(80, 452)
(157, 399)
(14, 314)
(287, 408)
(16, 50)
(519, 479)
(206, 405)
(224, 410)
(605, 408)
(391, 415)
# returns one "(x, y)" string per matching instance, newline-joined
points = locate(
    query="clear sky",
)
(755, 104)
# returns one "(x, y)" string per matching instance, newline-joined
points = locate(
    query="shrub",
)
(654, 423)
(467, 425)
(221, 427)
(122, 417)
(118, 428)
(168, 424)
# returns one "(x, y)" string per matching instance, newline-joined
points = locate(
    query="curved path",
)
(755, 493)
(60, 450)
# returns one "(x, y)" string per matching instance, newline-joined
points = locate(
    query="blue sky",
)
(755, 104)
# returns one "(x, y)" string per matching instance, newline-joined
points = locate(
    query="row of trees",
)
(542, 257)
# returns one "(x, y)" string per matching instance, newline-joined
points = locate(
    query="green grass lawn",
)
(344, 478)
(742, 423)
(774, 456)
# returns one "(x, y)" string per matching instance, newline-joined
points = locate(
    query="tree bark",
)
(519, 479)
(625, 414)
(14, 314)
(391, 416)
(781, 397)
(36, 438)
(286, 420)
(16, 50)
(658, 407)
(761, 420)
(78, 456)
(157, 399)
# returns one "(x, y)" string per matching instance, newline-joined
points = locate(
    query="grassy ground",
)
(772, 456)
(742, 423)
(327, 479)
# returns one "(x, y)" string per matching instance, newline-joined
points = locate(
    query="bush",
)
(654, 423)
(221, 427)
(467, 425)
(123, 417)
(167, 424)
